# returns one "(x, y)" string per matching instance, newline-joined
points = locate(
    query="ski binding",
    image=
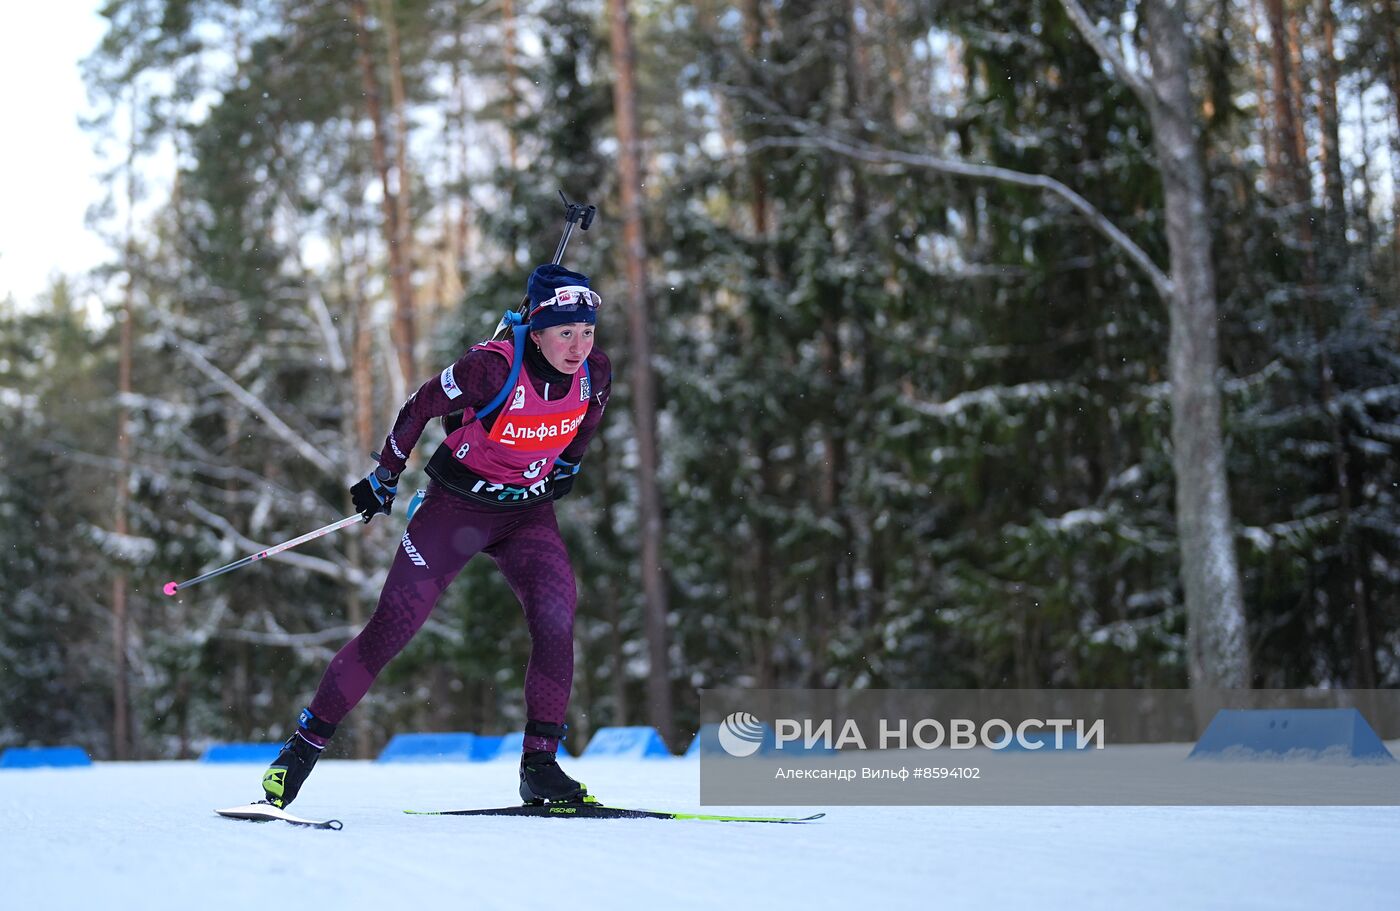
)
(591, 810)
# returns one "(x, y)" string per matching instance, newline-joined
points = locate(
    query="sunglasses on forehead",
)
(570, 298)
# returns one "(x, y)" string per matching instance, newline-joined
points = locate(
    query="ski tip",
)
(264, 812)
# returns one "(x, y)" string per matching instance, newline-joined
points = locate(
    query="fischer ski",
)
(598, 811)
(262, 811)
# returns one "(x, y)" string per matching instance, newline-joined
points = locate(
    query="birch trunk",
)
(1216, 637)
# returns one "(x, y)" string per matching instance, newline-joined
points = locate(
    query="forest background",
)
(1013, 344)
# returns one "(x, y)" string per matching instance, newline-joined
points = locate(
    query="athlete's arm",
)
(468, 384)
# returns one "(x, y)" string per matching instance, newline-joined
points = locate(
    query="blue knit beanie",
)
(543, 283)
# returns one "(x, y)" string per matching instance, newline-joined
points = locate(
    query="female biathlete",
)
(529, 407)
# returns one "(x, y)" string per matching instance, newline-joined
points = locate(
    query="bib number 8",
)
(462, 450)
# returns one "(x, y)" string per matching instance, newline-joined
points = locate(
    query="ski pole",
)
(172, 587)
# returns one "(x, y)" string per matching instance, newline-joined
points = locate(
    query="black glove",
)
(564, 479)
(375, 494)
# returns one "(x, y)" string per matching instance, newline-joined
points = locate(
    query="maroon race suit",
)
(473, 505)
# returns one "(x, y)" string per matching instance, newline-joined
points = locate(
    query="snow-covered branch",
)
(1132, 78)
(335, 635)
(862, 151)
(987, 396)
(324, 322)
(245, 398)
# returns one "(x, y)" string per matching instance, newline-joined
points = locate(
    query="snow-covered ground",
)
(143, 835)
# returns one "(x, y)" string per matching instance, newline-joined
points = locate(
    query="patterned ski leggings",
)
(443, 535)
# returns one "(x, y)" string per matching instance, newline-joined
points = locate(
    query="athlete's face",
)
(566, 347)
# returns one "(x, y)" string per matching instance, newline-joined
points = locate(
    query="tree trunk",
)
(1217, 635)
(121, 698)
(1368, 222)
(1292, 181)
(1335, 262)
(400, 279)
(1392, 44)
(758, 181)
(1333, 182)
(642, 376)
(403, 199)
(462, 150)
(761, 563)
(358, 429)
(122, 740)
(512, 75)
(1298, 85)
(1258, 61)
(892, 40)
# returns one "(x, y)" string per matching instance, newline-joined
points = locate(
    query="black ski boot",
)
(541, 779)
(288, 772)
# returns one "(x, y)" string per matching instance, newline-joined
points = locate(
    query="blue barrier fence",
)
(448, 746)
(241, 752)
(636, 742)
(458, 746)
(617, 742)
(44, 757)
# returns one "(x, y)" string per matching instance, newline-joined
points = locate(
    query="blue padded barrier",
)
(448, 746)
(636, 742)
(44, 757)
(1292, 733)
(486, 746)
(241, 752)
(508, 746)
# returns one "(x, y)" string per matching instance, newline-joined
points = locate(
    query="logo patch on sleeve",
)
(449, 383)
